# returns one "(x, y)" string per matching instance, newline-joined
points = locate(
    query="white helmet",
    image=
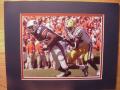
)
(31, 23)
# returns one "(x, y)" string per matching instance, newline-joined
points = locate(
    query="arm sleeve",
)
(52, 39)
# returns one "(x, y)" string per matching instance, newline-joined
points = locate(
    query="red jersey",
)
(30, 48)
(39, 48)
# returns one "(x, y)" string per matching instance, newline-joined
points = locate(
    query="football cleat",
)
(64, 74)
(85, 71)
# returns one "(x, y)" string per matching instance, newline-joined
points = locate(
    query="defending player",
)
(82, 46)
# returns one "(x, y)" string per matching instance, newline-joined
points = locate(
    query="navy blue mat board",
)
(12, 12)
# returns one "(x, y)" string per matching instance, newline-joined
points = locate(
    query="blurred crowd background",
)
(34, 48)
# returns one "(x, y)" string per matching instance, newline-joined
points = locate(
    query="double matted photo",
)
(61, 45)
(58, 46)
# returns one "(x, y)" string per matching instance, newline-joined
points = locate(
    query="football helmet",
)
(31, 23)
(70, 23)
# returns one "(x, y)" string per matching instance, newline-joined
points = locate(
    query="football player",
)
(82, 46)
(42, 33)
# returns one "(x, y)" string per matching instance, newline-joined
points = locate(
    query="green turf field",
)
(75, 72)
(52, 73)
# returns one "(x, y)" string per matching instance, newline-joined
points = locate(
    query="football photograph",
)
(61, 46)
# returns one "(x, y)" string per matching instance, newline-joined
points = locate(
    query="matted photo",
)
(61, 46)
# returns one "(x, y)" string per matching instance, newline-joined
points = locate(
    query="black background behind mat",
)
(12, 44)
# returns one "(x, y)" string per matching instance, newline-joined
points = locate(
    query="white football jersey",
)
(81, 33)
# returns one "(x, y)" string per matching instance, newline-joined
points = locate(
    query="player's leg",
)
(45, 62)
(94, 66)
(89, 58)
(84, 66)
(60, 57)
(30, 62)
(38, 58)
(52, 61)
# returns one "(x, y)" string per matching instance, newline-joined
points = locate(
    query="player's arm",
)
(51, 39)
(70, 42)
